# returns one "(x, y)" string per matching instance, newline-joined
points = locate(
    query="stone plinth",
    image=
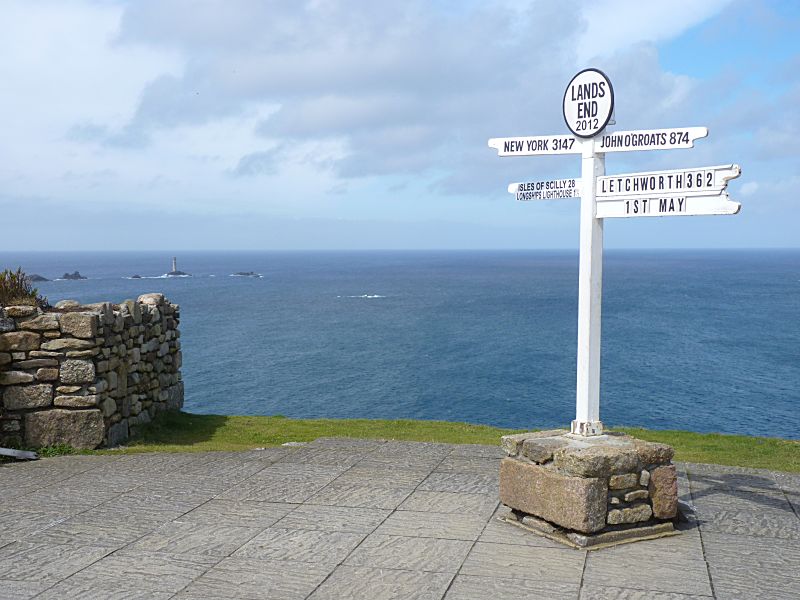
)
(589, 491)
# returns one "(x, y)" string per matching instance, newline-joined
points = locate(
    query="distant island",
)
(75, 275)
(36, 278)
(246, 274)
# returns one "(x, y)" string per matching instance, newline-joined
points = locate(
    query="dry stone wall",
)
(88, 375)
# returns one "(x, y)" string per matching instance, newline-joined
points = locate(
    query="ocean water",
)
(699, 340)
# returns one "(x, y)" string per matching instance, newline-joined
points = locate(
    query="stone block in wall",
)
(21, 397)
(63, 344)
(634, 514)
(7, 324)
(35, 363)
(77, 371)
(47, 374)
(79, 325)
(653, 453)
(624, 481)
(663, 486)
(44, 354)
(15, 377)
(109, 407)
(45, 322)
(135, 310)
(87, 401)
(577, 503)
(82, 429)
(175, 399)
(5, 358)
(19, 341)
(118, 433)
(512, 444)
(596, 461)
(21, 311)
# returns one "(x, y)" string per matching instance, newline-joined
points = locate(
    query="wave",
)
(165, 276)
(369, 296)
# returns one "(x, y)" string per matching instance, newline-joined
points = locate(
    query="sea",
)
(700, 340)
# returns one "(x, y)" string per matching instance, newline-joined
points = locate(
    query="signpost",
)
(588, 107)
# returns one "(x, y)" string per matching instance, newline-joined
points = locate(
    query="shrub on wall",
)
(16, 288)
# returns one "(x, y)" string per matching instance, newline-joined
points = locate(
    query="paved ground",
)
(362, 519)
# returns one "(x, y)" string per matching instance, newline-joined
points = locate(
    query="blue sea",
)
(698, 340)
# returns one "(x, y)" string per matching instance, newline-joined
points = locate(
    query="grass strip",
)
(186, 432)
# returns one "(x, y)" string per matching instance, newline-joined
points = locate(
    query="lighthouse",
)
(174, 272)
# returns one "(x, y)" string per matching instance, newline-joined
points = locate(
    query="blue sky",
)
(352, 125)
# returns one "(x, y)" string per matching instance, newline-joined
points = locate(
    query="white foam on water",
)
(368, 296)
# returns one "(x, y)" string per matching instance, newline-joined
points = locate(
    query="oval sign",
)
(588, 103)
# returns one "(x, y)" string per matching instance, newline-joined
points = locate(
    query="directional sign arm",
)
(552, 189)
(650, 139)
(667, 206)
(693, 181)
(535, 145)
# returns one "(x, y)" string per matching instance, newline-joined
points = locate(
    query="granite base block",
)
(589, 491)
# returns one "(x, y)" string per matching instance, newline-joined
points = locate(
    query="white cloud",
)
(613, 25)
(329, 109)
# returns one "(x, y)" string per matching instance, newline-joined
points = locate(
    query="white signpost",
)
(588, 107)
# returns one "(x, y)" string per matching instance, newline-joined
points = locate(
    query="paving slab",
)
(383, 477)
(531, 562)
(461, 482)
(301, 545)
(359, 495)
(342, 518)
(205, 539)
(619, 593)
(468, 464)
(471, 587)
(110, 589)
(46, 562)
(656, 566)
(242, 514)
(21, 590)
(251, 579)
(410, 553)
(434, 525)
(462, 503)
(382, 584)
(145, 571)
(334, 518)
(87, 530)
(747, 567)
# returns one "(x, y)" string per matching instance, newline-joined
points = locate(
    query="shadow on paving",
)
(756, 489)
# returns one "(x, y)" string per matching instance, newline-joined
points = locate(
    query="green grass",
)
(184, 432)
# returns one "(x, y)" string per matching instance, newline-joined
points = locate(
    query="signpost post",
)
(588, 107)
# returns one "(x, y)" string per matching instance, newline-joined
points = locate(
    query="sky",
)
(178, 125)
